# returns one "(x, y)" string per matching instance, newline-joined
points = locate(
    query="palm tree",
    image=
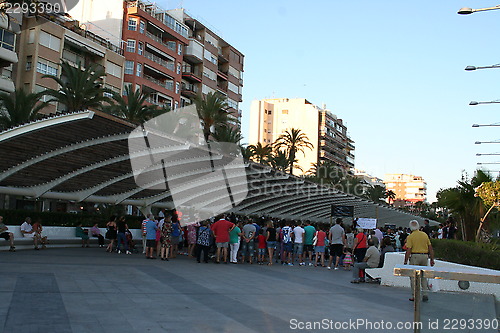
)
(213, 112)
(390, 195)
(246, 152)
(462, 202)
(327, 171)
(293, 141)
(133, 108)
(375, 193)
(280, 161)
(79, 88)
(227, 134)
(261, 153)
(19, 107)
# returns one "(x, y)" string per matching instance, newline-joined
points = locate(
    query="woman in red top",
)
(360, 245)
(319, 246)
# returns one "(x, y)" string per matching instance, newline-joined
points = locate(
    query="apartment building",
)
(8, 55)
(408, 188)
(168, 53)
(269, 118)
(48, 40)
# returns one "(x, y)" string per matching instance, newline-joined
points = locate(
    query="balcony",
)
(222, 74)
(168, 44)
(189, 90)
(191, 74)
(167, 64)
(169, 85)
(194, 51)
(221, 56)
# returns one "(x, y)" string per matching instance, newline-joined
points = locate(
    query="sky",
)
(392, 70)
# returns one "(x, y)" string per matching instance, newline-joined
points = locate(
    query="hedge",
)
(467, 253)
(17, 217)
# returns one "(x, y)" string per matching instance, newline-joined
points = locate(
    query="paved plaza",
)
(89, 290)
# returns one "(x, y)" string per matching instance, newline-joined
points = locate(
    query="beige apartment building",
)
(46, 41)
(408, 188)
(8, 55)
(269, 118)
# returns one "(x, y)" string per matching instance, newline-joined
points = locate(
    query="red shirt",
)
(262, 241)
(361, 241)
(221, 230)
(321, 238)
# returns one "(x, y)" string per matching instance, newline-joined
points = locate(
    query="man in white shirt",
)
(27, 231)
(298, 245)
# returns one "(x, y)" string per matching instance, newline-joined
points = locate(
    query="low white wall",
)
(392, 259)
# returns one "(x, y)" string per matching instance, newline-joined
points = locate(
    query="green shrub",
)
(17, 217)
(467, 253)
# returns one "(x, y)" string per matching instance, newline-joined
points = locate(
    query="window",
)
(177, 87)
(138, 71)
(140, 48)
(129, 67)
(113, 69)
(7, 39)
(179, 49)
(178, 68)
(72, 57)
(234, 72)
(171, 45)
(131, 45)
(132, 24)
(209, 74)
(46, 67)
(142, 27)
(231, 86)
(39, 89)
(50, 41)
(29, 63)
(31, 36)
(207, 54)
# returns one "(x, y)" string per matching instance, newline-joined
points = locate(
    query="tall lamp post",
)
(467, 10)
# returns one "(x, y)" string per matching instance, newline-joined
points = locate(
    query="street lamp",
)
(467, 10)
(477, 125)
(480, 142)
(487, 154)
(473, 68)
(490, 102)
(488, 163)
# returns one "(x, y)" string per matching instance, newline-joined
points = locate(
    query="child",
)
(347, 259)
(262, 247)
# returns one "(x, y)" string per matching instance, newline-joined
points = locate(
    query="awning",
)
(157, 71)
(83, 45)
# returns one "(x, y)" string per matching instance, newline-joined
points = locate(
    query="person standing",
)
(151, 228)
(319, 247)
(165, 239)
(427, 228)
(122, 238)
(337, 241)
(221, 230)
(286, 243)
(7, 235)
(298, 244)
(270, 241)
(234, 243)
(418, 252)
(247, 244)
(176, 234)
(309, 232)
(111, 233)
(203, 242)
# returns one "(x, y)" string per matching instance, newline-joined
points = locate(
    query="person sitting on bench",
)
(371, 260)
(5, 234)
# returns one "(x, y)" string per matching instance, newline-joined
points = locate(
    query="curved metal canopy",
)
(84, 156)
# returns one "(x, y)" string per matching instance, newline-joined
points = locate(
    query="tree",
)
(293, 141)
(79, 88)
(133, 107)
(376, 193)
(227, 134)
(261, 153)
(280, 161)
(213, 112)
(19, 107)
(391, 196)
(489, 192)
(462, 202)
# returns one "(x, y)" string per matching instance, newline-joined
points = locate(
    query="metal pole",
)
(417, 284)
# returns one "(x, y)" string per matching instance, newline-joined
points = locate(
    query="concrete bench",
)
(57, 237)
(387, 277)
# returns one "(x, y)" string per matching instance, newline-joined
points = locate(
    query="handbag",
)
(315, 239)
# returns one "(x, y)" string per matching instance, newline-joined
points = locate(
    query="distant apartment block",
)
(408, 188)
(367, 178)
(8, 55)
(168, 53)
(269, 118)
(45, 41)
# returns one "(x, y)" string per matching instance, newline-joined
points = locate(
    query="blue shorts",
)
(271, 245)
(287, 247)
(262, 252)
(319, 249)
(247, 248)
(298, 248)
